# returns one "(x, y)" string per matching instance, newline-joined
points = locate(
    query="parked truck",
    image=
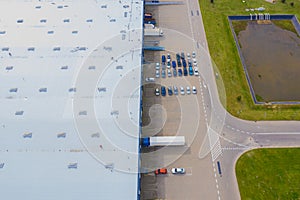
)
(163, 141)
(148, 15)
(153, 32)
(150, 21)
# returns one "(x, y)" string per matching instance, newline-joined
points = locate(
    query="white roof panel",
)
(70, 99)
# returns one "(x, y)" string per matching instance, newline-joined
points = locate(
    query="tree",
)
(292, 4)
(283, 1)
(211, 1)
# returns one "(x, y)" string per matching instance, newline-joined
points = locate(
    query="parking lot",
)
(175, 114)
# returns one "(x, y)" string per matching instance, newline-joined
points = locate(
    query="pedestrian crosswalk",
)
(215, 145)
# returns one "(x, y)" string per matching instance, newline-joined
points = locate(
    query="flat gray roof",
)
(70, 76)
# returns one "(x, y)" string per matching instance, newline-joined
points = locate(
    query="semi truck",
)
(163, 141)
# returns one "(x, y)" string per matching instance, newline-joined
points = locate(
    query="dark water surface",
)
(272, 58)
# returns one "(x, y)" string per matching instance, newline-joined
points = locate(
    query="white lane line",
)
(278, 133)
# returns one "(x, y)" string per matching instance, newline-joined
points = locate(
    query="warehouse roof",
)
(70, 99)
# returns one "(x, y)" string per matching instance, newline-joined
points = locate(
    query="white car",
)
(196, 72)
(149, 79)
(157, 92)
(168, 58)
(182, 90)
(157, 66)
(168, 65)
(188, 56)
(188, 90)
(178, 171)
(194, 90)
(195, 63)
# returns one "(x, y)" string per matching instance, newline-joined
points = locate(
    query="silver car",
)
(157, 74)
(182, 92)
(169, 73)
(175, 90)
(188, 90)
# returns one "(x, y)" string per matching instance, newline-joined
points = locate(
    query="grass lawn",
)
(224, 53)
(269, 174)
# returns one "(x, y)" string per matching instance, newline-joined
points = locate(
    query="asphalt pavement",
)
(218, 139)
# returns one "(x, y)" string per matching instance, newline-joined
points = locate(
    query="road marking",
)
(278, 133)
(235, 148)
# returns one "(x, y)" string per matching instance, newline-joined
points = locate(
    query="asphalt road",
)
(218, 136)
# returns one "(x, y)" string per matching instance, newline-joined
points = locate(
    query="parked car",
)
(188, 55)
(194, 90)
(175, 90)
(157, 92)
(161, 171)
(196, 72)
(169, 73)
(185, 72)
(183, 63)
(157, 74)
(157, 66)
(195, 62)
(163, 73)
(168, 65)
(194, 54)
(188, 90)
(168, 58)
(178, 171)
(163, 59)
(163, 90)
(179, 63)
(149, 79)
(179, 72)
(174, 64)
(177, 56)
(182, 55)
(174, 72)
(191, 72)
(170, 91)
(182, 90)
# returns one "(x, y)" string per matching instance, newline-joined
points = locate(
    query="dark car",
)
(185, 72)
(163, 58)
(170, 91)
(174, 64)
(179, 63)
(163, 91)
(177, 56)
(179, 72)
(182, 55)
(183, 63)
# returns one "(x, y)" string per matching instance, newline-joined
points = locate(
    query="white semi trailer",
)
(163, 141)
